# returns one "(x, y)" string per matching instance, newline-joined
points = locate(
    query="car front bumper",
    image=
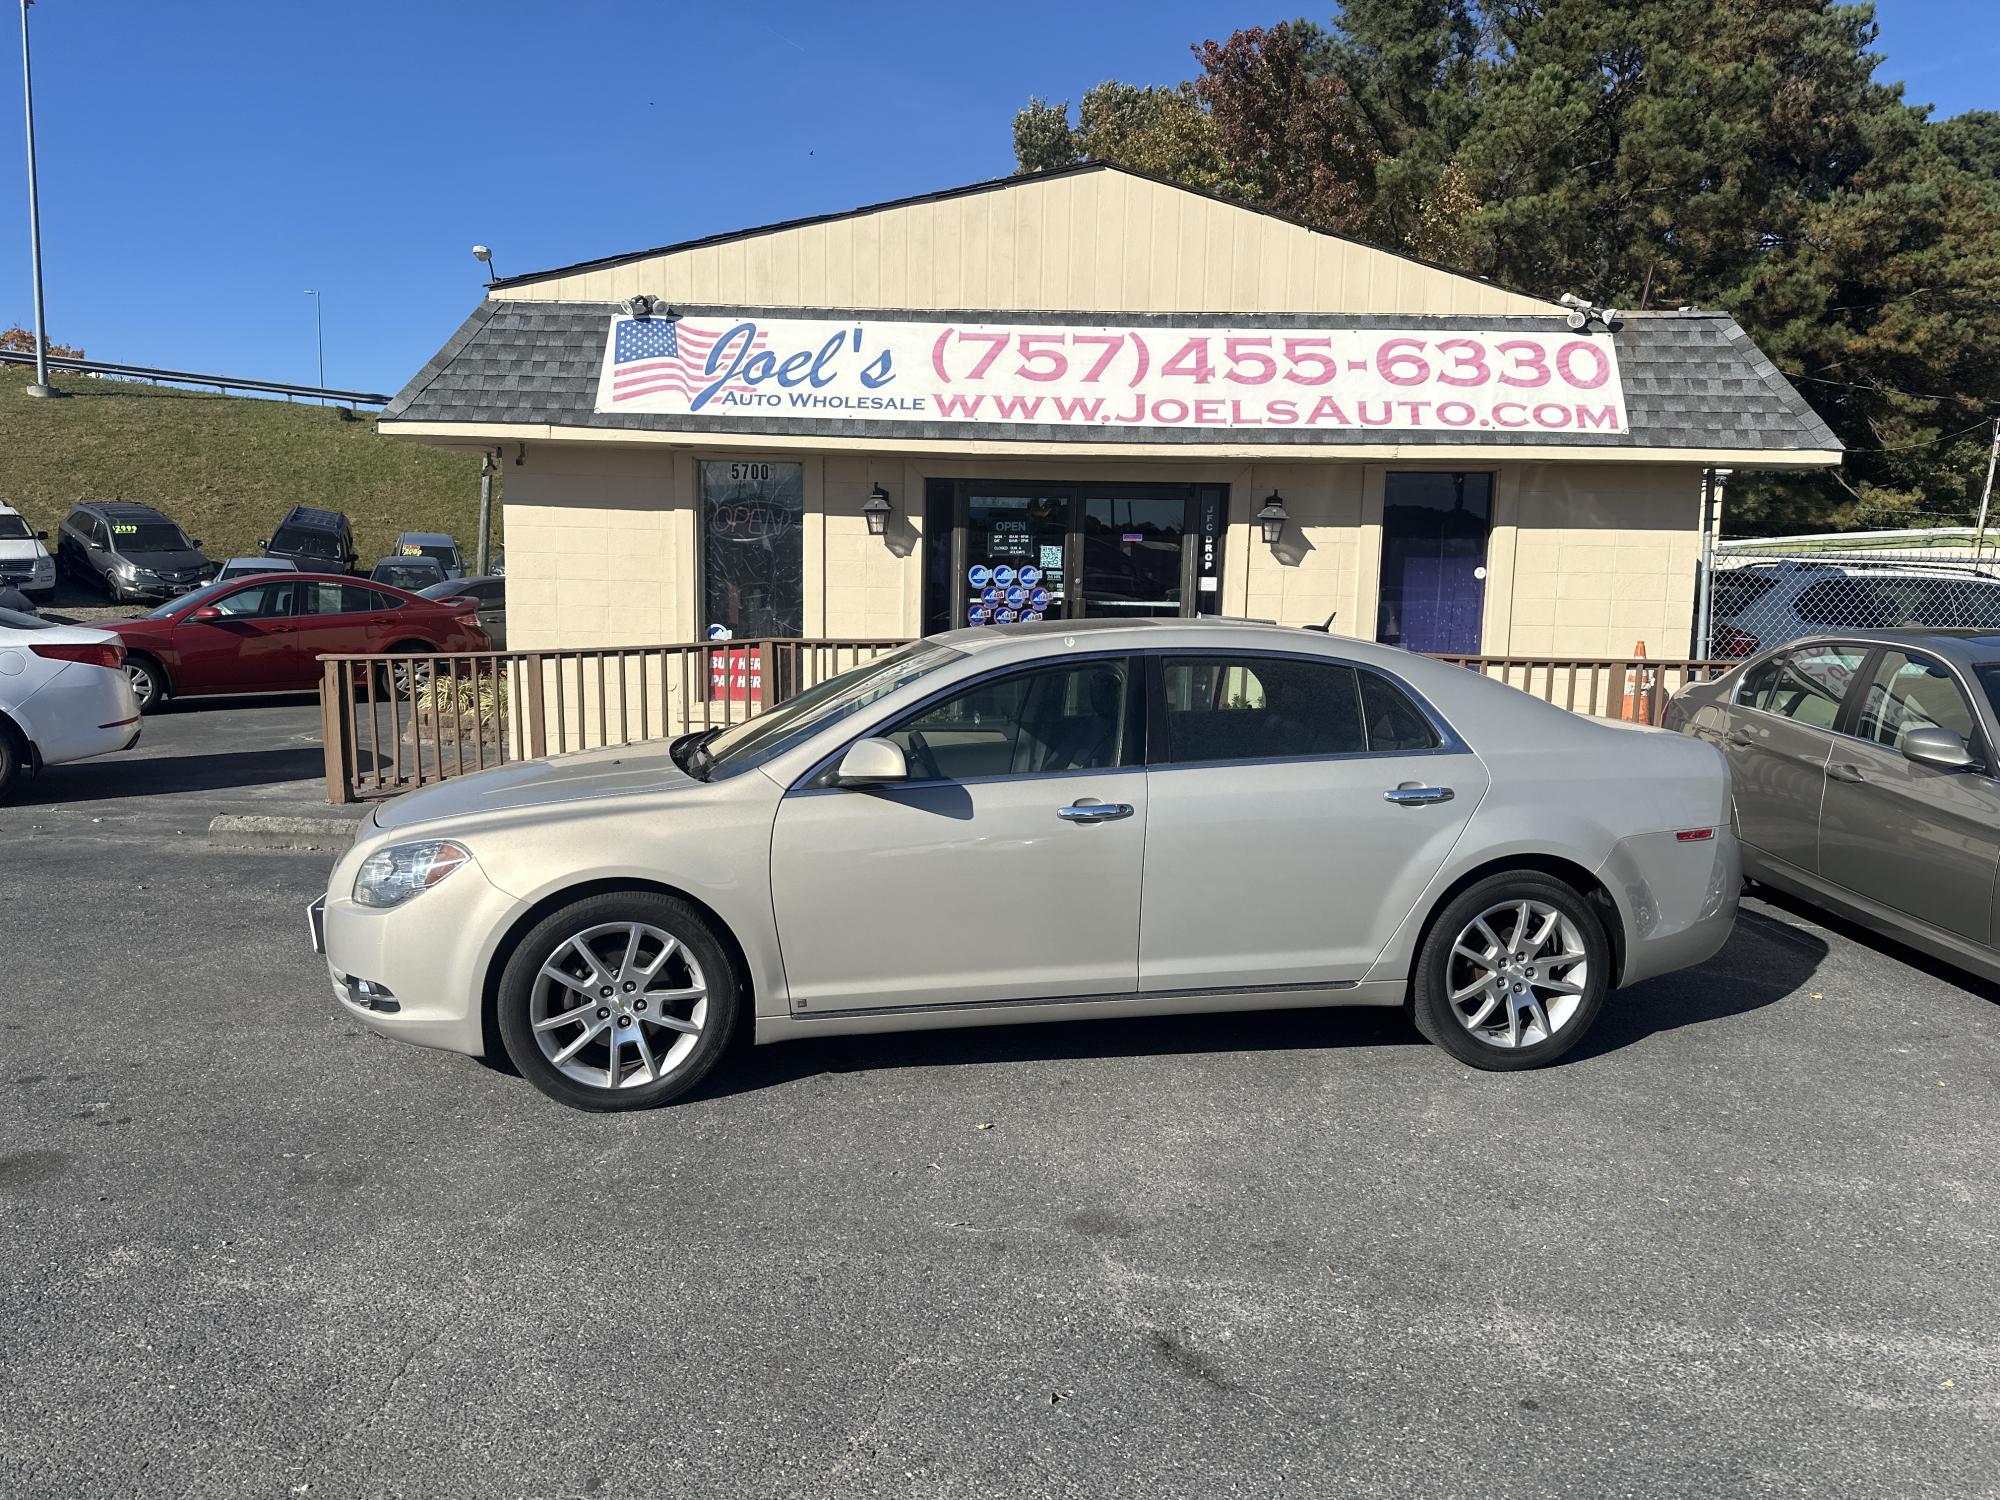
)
(416, 971)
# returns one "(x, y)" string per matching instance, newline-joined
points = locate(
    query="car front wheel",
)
(1513, 972)
(619, 1001)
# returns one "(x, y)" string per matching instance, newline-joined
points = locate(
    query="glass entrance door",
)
(1434, 529)
(996, 552)
(1016, 555)
(1133, 563)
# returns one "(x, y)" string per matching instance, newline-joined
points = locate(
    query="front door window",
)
(1434, 529)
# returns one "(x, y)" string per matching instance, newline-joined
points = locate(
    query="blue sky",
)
(204, 162)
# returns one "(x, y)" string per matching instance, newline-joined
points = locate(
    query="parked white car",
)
(24, 559)
(1039, 823)
(251, 567)
(63, 695)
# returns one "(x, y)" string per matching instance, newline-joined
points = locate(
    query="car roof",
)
(130, 509)
(426, 536)
(1966, 647)
(397, 560)
(308, 515)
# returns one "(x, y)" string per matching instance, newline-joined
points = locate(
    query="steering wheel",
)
(927, 760)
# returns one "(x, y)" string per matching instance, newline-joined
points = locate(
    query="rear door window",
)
(1226, 708)
(1805, 685)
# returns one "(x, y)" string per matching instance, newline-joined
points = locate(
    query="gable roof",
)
(1093, 236)
(945, 195)
(1693, 381)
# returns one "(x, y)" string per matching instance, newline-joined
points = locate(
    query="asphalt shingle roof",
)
(1692, 380)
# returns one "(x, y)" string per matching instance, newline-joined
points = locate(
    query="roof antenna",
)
(1327, 627)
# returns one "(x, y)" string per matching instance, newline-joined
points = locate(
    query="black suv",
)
(319, 541)
(130, 550)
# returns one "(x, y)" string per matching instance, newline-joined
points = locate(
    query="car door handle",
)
(1739, 738)
(1412, 795)
(1094, 812)
(1845, 773)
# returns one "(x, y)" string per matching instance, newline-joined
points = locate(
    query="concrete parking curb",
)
(260, 832)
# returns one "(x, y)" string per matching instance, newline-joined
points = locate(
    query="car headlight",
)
(125, 569)
(391, 876)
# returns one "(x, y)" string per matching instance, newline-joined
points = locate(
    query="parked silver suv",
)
(1761, 605)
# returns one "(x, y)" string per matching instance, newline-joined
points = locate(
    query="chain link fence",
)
(1765, 593)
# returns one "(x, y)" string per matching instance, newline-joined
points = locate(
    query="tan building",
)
(1093, 393)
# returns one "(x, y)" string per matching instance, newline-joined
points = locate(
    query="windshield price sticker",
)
(992, 374)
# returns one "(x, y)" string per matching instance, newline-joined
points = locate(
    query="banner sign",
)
(1327, 382)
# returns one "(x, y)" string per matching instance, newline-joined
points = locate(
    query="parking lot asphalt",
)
(1742, 1243)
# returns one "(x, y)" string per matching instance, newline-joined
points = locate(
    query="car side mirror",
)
(206, 612)
(1939, 748)
(41, 536)
(873, 762)
(197, 544)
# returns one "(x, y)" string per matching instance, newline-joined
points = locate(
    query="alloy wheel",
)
(142, 685)
(619, 1005)
(1518, 973)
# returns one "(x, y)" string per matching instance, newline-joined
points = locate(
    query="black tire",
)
(149, 683)
(13, 755)
(522, 985)
(1444, 968)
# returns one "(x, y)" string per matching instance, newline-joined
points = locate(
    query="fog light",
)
(368, 995)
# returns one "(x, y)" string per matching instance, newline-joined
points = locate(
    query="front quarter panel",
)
(709, 840)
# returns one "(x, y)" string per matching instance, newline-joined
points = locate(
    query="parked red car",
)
(265, 634)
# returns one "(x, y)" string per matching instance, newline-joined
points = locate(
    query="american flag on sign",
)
(649, 355)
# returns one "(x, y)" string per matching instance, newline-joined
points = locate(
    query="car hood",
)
(22, 549)
(579, 777)
(176, 560)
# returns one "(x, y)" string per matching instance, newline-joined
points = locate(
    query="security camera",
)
(1611, 317)
(1567, 299)
(640, 306)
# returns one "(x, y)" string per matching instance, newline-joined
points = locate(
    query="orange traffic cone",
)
(1638, 705)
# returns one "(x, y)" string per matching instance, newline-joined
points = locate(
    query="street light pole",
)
(41, 387)
(319, 339)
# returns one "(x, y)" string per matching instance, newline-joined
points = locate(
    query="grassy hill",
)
(226, 467)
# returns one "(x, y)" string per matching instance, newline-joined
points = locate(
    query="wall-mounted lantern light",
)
(876, 511)
(1272, 519)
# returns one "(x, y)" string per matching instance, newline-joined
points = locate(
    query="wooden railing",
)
(1634, 688)
(391, 722)
(394, 722)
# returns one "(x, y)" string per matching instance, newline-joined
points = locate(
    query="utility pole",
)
(1986, 495)
(41, 387)
(489, 465)
(319, 339)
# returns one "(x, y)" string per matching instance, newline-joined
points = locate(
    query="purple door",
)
(1434, 530)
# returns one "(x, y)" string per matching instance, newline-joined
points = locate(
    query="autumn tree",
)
(18, 340)
(1643, 153)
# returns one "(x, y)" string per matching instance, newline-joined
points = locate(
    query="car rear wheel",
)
(149, 683)
(12, 756)
(1513, 972)
(406, 679)
(617, 1002)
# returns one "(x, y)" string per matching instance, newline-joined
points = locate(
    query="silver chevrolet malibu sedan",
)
(1043, 823)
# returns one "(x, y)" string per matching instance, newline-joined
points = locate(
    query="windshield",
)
(743, 746)
(406, 575)
(14, 529)
(190, 601)
(149, 536)
(13, 619)
(446, 556)
(312, 543)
